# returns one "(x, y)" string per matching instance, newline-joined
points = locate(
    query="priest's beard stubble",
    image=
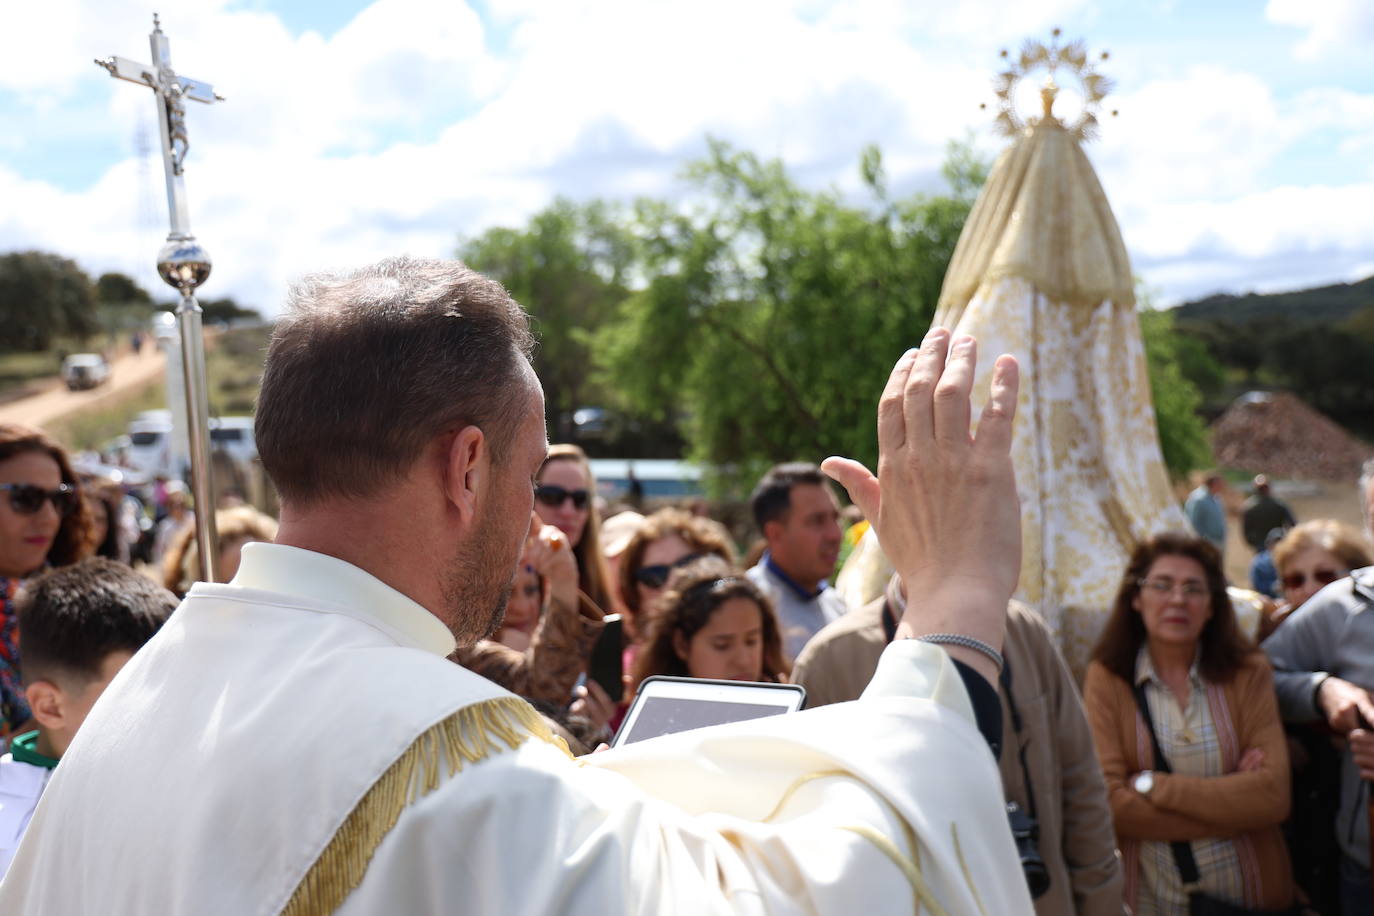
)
(478, 583)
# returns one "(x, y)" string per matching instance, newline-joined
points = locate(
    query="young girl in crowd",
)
(711, 622)
(523, 608)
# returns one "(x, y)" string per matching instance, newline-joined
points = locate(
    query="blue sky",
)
(1243, 157)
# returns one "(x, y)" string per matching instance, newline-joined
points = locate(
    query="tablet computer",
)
(664, 705)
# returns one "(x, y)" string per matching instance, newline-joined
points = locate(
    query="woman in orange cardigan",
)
(1172, 643)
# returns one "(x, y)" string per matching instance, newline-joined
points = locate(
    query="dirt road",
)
(127, 371)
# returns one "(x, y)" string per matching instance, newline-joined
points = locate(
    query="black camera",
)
(1026, 833)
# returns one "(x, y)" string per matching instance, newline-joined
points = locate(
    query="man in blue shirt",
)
(1205, 512)
(799, 517)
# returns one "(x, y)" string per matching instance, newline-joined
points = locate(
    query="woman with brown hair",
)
(665, 540)
(565, 497)
(1187, 729)
(43, 522)
(712, 622)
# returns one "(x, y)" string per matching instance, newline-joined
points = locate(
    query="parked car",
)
(85, 370)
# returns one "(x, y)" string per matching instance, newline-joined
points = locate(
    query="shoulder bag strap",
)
(1183, 851)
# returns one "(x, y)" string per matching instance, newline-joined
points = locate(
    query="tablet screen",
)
(665, 705)
(665, 715)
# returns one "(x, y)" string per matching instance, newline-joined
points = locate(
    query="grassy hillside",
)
(1324, 304)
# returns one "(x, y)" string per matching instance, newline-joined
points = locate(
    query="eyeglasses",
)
(656, 576)
(1165, 587)
(553, 495)
(27, 499)
(1319, 577)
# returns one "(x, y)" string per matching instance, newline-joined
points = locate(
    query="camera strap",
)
(1021, 746)
(1183, 851)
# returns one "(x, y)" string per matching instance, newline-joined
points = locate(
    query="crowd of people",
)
(1194, 760)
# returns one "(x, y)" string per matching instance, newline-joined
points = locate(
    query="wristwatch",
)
(1145, 782)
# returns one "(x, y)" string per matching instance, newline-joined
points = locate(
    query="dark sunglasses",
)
(1320, 577)
(27, 499)
(656, 576)
(553, 495)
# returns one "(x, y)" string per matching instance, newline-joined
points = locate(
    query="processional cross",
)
(182, 263)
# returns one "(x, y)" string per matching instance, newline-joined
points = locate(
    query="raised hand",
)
(547, 550)
(944, 502)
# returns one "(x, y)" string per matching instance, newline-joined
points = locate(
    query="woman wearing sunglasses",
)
(668, 539)
(43, 522)
(1311, 557)
(565, 497)
(1186, 725)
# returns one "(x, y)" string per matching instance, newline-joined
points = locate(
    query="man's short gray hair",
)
(367, 367)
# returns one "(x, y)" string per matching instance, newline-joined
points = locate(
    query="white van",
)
(150, 443)
(234, 435)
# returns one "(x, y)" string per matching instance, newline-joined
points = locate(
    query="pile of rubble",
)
(1275, 433)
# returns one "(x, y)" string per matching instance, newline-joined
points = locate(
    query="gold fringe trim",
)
(471, 734)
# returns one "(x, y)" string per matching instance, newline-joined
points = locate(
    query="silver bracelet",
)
(968, 642)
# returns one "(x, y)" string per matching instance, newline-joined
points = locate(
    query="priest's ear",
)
(680, 646)
(467, 470)
(50, 704)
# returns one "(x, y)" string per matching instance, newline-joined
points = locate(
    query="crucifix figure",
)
(182, 263)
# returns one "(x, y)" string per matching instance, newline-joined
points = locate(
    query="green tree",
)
(116, 289)
(43, 296)
(1182, 434)
(569, 268)
(771, 314)
(227, 309)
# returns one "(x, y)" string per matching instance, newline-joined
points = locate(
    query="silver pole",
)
(198, 427)
(182, 264)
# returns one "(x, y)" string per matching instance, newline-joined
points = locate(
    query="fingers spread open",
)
(891, 423)
(920, 388)
(952, 412)
(995, 424)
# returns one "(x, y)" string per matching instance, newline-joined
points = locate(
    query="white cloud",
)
(1331, 25)
(302, 168)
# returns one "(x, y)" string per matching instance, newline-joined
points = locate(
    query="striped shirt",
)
(1188, 737)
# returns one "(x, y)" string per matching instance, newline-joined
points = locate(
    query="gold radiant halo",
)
(1071, 58)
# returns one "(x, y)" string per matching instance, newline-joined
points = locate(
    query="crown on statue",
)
(1071, 59)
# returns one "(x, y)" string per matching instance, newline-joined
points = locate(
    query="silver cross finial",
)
(182, 263)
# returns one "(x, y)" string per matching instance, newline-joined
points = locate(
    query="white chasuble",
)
(296, 742)
(1040, 272)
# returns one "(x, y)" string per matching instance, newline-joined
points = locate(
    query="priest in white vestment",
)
(296, 742)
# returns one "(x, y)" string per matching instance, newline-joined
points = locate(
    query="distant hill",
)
(1325, 304)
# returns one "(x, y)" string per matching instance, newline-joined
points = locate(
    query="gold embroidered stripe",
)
(471, 734)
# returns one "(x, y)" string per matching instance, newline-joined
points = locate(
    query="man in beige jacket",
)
(1042, 725)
